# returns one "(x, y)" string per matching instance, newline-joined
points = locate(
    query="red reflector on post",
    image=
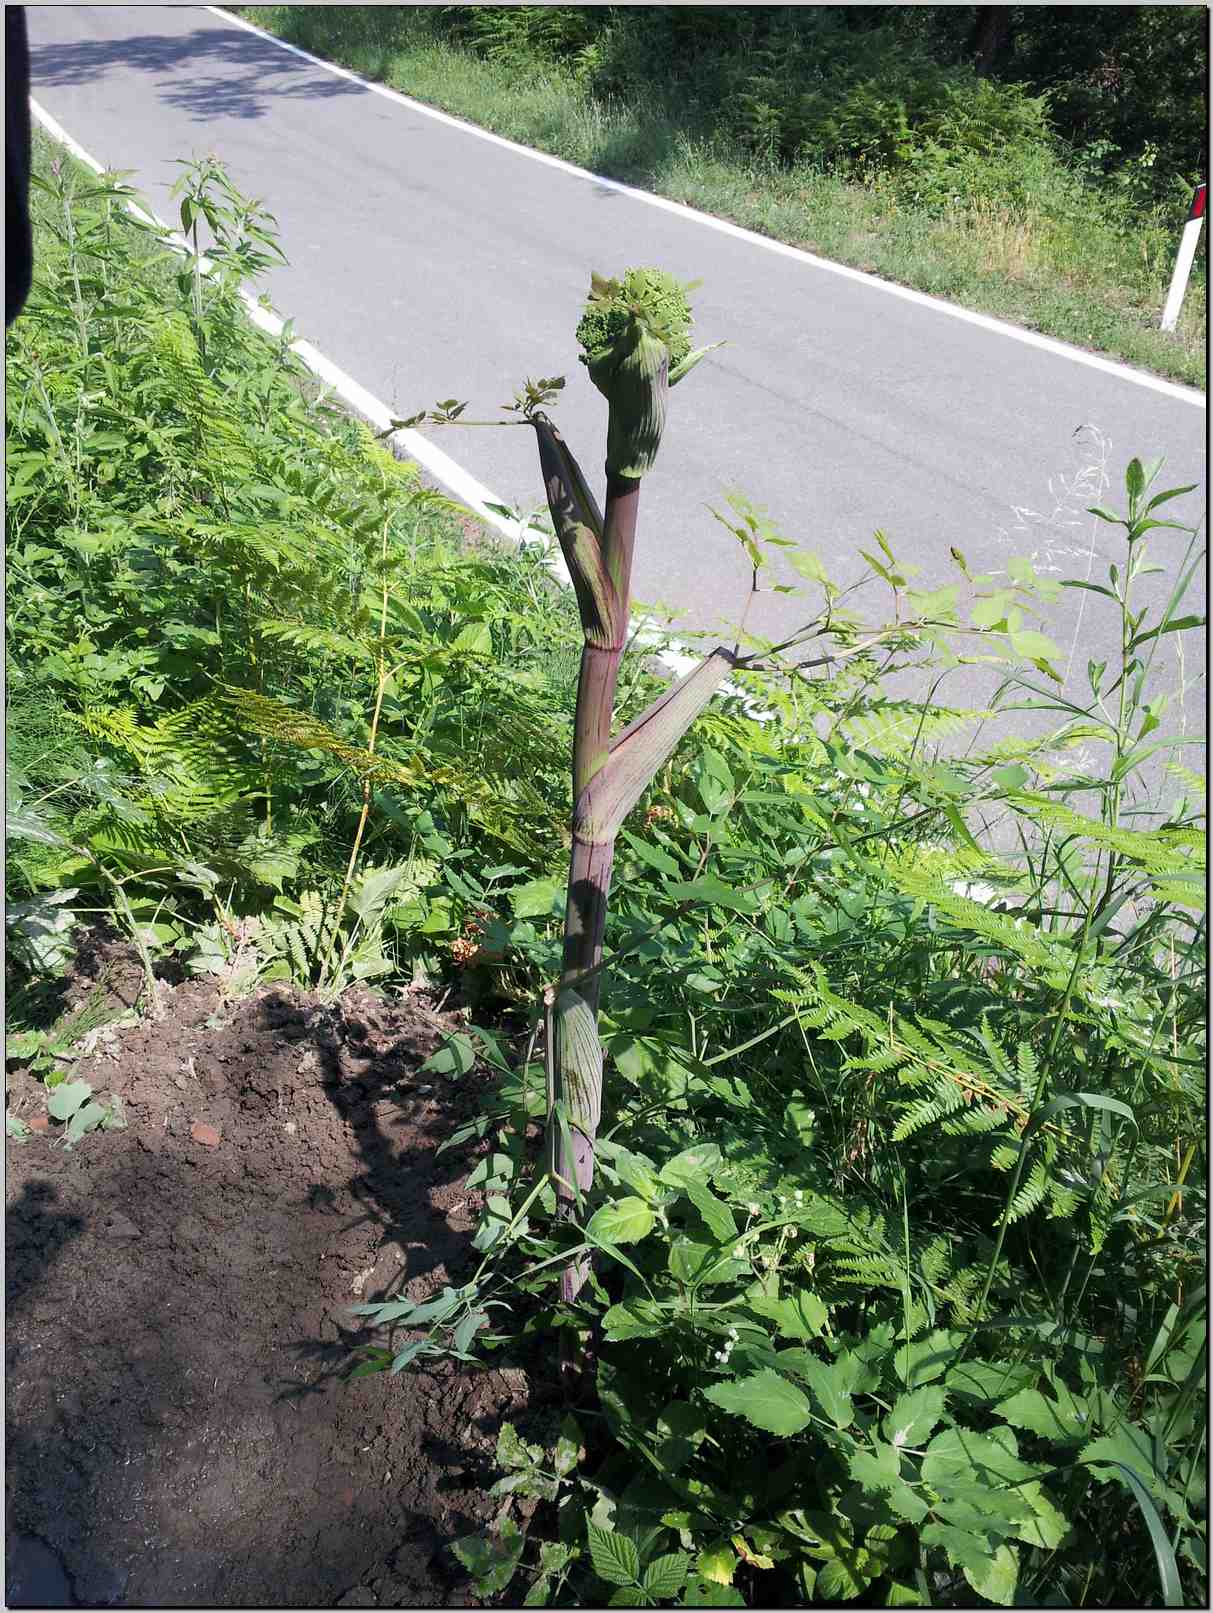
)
(1198, 203)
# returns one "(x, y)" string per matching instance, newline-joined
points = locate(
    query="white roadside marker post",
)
(1183, 263)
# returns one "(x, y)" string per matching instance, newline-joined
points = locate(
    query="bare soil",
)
(181, 1428)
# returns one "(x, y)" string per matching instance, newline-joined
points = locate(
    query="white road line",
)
(1029, 338)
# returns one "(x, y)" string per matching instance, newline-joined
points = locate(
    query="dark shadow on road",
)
(209, 73)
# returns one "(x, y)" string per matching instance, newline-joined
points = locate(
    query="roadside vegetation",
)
(1035, 163)
(894, 1250)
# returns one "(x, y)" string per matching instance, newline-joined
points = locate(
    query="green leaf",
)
(1047, 1527)
(614, 1556)
(1034, 646)
(637, 1173)
(625, 1220)
(964, 1549)
(540, 898)
(1036, 1412)
(801, 1315)
(914, 1415)
(64, 1101)
(1129, 1450)
(491, 1559)
(989, 1380)
(959, 1457)
(665, 1576)
(696, 1263)
(926, 1359)
(634, 1319)
(714, 780)
(455, 1057)
(1164, 1555)
(703, 1593)
(829, 1386)
(997, 1580)
(846, 1577)
(538, 1594)
(766, 1400)
(569, 1447)
(85, 1119)
(876, 1467)
(718, 1563)
(692, 1165)
(717, 1216)
(20, 824)
(710, 889)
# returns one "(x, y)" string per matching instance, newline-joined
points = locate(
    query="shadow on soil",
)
(179, 1323)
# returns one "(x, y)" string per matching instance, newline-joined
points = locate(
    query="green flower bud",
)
(635, 339)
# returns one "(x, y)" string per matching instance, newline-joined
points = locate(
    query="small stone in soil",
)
(204, 1134)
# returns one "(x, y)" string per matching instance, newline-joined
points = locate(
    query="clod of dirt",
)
(180, 1431)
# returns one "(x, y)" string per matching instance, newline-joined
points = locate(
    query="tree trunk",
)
(990, 40)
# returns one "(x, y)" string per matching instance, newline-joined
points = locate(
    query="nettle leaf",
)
(614, 1555)
(625, 1220)
(766, 1400)
(914, 1415)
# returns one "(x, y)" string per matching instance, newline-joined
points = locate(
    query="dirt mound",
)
(179, 1429)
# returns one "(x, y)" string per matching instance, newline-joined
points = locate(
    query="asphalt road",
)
(428, 263)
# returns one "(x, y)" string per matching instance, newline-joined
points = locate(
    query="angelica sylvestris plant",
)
(635, 339)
